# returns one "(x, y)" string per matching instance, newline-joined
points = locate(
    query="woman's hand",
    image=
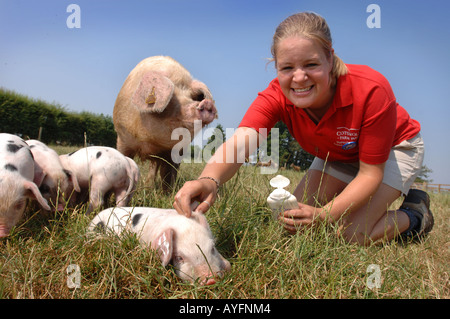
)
(204, 191)
(292, 220)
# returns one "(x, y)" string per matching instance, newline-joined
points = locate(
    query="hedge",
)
(27, 117)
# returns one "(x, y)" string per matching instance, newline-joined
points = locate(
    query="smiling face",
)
(303, 71)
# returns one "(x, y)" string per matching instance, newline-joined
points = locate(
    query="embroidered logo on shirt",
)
(349, 146)
(346, 138)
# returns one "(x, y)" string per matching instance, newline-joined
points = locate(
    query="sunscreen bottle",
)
(280, 199)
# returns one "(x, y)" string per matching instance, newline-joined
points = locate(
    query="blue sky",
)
(224, 43)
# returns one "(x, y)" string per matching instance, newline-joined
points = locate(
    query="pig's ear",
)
(73, 179)
(200, 218)
(153, 93)
(33, 192)
(39, 174)
(164, 246)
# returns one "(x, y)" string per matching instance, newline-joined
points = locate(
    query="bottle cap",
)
(279, 181)
(279, 194)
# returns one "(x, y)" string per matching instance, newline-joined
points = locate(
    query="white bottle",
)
(280, 199)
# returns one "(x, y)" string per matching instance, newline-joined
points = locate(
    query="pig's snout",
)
(4, 231)
(210, 278)
(210, 281)
(207, 111)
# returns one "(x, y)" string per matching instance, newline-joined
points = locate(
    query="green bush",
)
(27, 117)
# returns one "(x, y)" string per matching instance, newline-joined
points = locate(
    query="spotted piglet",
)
(16, 181)
(185, 242)
(100, 170)
(55, 183)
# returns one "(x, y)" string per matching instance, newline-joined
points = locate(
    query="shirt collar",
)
(343, 96)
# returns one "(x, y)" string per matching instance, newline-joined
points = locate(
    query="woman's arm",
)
(221, 167)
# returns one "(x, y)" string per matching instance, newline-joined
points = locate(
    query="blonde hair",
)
(312, 26)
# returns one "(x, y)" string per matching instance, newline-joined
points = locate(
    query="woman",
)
(367, 149)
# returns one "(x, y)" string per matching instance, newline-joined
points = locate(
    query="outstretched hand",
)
(294, 219)
(198, 195)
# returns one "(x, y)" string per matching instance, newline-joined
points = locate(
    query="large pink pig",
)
(159, 96)
(16, 181)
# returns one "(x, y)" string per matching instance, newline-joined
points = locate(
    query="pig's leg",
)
(124, 148)
(152, 171)
(98, 189)
(122, 198)
(168, 173)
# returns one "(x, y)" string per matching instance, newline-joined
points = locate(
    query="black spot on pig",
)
(13, 148)
(98, 154)
(70, 154)
(136, 219)
(10, 167)
(100, 227)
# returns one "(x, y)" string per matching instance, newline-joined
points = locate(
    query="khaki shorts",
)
(401, 169)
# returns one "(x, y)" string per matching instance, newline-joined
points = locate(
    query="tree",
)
(290, 151)
(215, 140)
(424, 175)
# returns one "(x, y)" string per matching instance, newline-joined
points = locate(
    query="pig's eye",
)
(198, 96)
(178, 260)
(19, 205)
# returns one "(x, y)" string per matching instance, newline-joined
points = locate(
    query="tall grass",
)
(266, 261)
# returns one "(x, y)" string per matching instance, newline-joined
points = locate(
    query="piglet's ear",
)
(153, 93)
(73, 179)
(34, 193)
(164, 246)
(200, 218)
(39, 174)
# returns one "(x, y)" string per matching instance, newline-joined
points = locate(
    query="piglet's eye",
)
(19, 205)
(178, 259)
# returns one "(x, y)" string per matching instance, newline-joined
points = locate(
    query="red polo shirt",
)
(363, 122)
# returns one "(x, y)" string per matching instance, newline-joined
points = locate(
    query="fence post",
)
(40, 133)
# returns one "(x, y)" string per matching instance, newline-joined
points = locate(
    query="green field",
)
(266, 261)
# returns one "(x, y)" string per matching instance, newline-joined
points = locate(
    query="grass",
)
(266, 261)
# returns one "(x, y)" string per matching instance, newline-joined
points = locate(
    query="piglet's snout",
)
(210, 281)
(4, 231)
(210, 278)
